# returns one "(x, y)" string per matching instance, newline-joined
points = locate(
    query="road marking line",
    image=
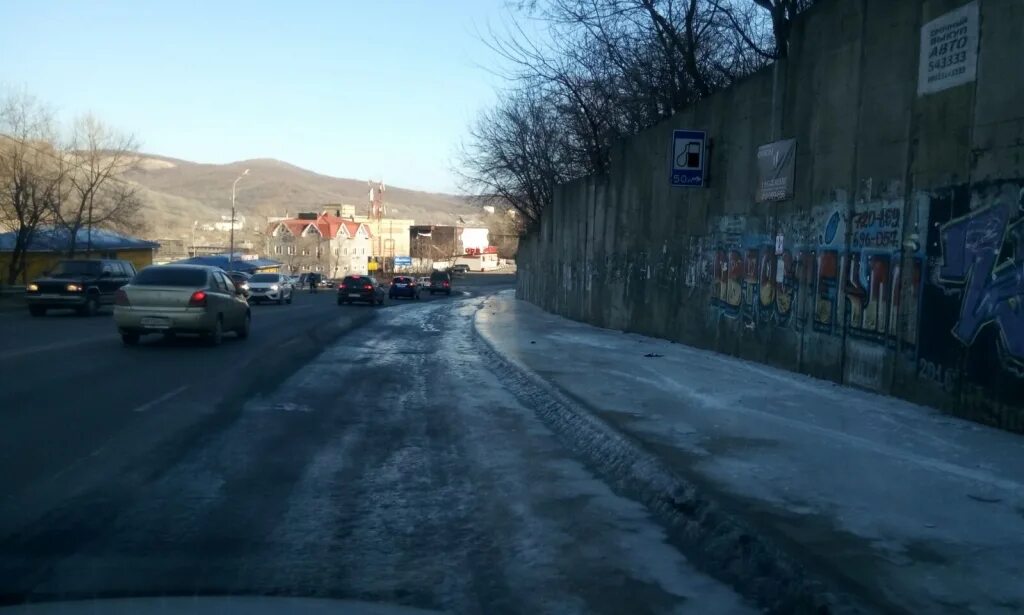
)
(161, 399)
(13, 354)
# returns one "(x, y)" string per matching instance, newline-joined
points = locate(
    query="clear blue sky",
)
(352, 89)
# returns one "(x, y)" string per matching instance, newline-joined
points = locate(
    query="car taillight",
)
(446, 283)
(121, 298)
(198, 299)
(343, 286)
(367, 286)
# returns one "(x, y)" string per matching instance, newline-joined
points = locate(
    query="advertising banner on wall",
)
(776, 169)
(949, 50)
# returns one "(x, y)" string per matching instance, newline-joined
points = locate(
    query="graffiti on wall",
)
(837, 271)
(828, 267)
(983, 258)
(872, 284)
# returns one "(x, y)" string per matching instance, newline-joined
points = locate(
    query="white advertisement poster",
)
(949, 50)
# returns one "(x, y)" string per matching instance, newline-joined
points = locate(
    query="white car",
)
(270, 287)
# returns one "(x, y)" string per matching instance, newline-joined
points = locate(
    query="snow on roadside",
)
(925, 509)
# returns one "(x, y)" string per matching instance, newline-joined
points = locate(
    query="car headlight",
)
(245, 286)
(32, 288)
(274, 287)
(73, 288)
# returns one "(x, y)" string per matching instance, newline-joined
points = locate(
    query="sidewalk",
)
(918, 509)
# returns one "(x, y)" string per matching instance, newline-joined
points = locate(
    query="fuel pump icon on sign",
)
(687, 159)
(689, 155)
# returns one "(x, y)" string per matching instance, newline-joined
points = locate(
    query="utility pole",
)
(376, 194)
(231, 249)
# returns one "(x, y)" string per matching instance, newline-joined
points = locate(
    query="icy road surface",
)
(395, 467)
(919, 510)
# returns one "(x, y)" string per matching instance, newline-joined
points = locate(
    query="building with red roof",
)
(320, 243)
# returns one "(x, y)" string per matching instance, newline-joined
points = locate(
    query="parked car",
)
(241, 281)
(84, 285)
(270, 287)
(360, 288)
(424, 282)
(440, 282)
(460, 268)
(404, 286)
(172, 299)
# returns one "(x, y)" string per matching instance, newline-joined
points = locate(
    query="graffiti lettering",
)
(877, 228)
(946, 377)
(983, 254)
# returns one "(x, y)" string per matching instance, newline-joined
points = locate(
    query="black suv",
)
(440, 282)
(84, 285)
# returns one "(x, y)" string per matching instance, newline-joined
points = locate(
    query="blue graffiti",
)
(831, 227)
(983, 253)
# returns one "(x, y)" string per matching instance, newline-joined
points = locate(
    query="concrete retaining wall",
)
(902, 269)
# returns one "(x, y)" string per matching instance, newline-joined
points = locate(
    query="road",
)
(394, 466)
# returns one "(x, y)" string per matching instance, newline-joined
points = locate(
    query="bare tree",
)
(97, 197)
(32, 173)
(603, 70)
(782, 13)
(518, 153)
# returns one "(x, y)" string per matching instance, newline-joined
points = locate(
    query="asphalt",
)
(391, 465)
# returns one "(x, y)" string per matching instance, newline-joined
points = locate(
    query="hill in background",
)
(176, 192)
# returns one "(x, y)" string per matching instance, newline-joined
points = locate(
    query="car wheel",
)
(243, 331)
(37, 310)
(290, 298)
(130, 339)
(340, 302)
(216, 336)
(449, 293)
(280, 299)
(92, 305)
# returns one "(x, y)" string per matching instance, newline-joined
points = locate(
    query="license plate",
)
(400, 285)
(156, 323)
(259, 290)
(50, 296)
(354, 295)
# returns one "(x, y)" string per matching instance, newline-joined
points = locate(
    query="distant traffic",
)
(203, 300)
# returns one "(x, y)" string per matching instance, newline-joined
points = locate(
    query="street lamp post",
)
(194, 223)
(231, 248)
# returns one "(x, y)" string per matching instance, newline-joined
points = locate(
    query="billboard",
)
(776, 169)
(949, 50)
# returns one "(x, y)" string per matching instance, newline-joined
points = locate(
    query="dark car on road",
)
(460, 268)
(84, 285)
(360, 288)
(404, 286)
(440, 282)
(241, 281)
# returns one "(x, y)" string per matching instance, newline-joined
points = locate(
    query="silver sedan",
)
(173, 299)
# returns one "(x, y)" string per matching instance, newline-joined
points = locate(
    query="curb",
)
(719, 543)
(11, 306)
